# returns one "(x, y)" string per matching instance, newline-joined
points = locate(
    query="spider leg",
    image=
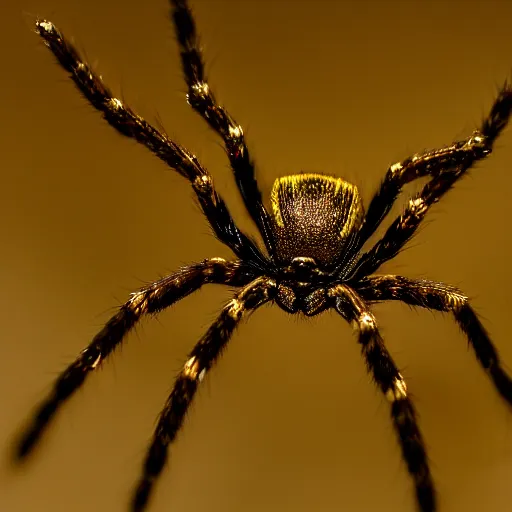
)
(403, 228)
(441, 297)
(446, 164)
(386, 375)
(200, 360)
(126, 122)
(203, 101)
(149, 300)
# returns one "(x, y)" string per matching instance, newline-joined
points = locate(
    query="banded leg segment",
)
(126, 122)
(386, 375)
(444, 165)
(200, 360)
(149, 300)
(203, 101)
(439, 161)
(441, 297)
(404, 227)
(431, 163)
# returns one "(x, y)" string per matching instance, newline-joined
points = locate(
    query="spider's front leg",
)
(441, 297)
(149, 300)
(386, 375)
(203, 101)
(200, 360)
(126, 122)
(445, 166)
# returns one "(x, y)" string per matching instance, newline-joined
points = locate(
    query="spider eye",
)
(313, 216)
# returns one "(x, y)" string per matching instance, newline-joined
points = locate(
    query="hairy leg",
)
(386, 375)
(200, 360)
(442, 297)
(149, 300)
(126, 122)
(203, 101)
(445, 166)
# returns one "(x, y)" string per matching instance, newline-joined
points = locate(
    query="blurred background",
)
(288, 420)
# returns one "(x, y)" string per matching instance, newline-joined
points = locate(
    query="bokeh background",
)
(288, 420)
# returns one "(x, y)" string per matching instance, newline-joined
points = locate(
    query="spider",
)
(314, 259)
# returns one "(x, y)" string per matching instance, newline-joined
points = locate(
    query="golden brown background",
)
(289, 420)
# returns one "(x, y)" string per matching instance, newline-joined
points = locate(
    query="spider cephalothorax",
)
(314, 237)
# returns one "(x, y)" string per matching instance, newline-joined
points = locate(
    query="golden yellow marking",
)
(191, 368)
(137, 298)
(457, 300)
(47, 26)
(395, 168)
(367, 322)
(96, 363)
(217, 260)
(336, 290)
(202, 181)
(201, 88)
(296, 183)
(398, 390)
(476, 138)
(417, 206)
(235, 131)
(138, 301)
(235, 308)
(116, 104)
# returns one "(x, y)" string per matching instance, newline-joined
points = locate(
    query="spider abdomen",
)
(313, 216)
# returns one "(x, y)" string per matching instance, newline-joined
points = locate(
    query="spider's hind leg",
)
(441, 297)
(149, 300)
(203, 101)
(200, 360)
(386, 375)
